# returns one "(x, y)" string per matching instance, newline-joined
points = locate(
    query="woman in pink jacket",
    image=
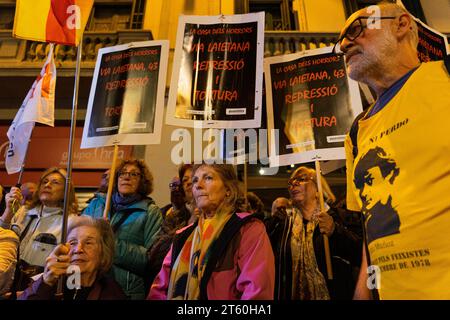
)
(226, 255)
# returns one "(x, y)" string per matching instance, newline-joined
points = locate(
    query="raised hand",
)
(326, 223)
(56, 264)
(12, 199)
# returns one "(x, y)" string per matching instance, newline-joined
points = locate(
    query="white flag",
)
(38, 106)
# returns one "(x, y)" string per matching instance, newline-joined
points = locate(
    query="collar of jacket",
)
(45, 211)
(140, 205)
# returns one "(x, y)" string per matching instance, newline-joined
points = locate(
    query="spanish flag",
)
(57, 21)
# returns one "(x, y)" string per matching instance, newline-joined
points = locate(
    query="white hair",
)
(392, 9)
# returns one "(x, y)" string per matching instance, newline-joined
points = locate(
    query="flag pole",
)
(73, 124)
(322, 208)
(22, 168)
(245, 182)
(112, 173)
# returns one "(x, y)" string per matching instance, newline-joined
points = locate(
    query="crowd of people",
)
(213, 241)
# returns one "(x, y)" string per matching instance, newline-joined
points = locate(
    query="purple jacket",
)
(103, 289)
(246, 271)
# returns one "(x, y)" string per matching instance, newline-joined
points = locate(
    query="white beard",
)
(376, 60)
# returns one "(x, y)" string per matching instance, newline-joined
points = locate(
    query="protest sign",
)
(126, 101)
(433, 45)
(217, 72)
(312, 103)
(239, 146)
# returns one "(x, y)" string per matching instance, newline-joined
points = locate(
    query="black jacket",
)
(345, 251)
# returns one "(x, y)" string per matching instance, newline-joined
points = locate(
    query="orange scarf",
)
(190, 264)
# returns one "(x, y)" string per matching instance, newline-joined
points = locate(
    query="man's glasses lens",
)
(354, 30)
(351, 33)
(174, 185)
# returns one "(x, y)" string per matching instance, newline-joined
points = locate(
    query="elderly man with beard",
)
(406, 241)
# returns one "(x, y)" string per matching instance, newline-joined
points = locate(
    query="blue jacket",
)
(133, 237)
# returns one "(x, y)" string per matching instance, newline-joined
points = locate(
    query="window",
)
(137, 14)
(118, 15)
(6, 16)
(279, 13)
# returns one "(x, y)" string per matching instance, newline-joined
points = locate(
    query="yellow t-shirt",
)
(400, 180)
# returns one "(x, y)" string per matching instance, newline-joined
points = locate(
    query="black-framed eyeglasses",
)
(354, 30)
(132, 174)
(294, 182)
(174, 185)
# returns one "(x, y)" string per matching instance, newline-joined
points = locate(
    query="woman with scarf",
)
(135, 220)
(298, 245)
(38, 224)
(225, 255)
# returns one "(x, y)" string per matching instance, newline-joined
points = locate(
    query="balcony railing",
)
(24, 58)
(285, 42)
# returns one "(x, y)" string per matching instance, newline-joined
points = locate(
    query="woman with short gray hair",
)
(86, 257)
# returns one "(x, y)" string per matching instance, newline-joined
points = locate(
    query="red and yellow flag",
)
(57, 21)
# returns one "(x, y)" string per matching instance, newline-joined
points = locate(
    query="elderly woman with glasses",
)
(38, 224)
(299, 248)
(86, 258)
(135, 220)
(226, 254)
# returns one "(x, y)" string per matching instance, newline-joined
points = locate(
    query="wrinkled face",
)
(174, 184)
(370, 53)
(128, 181)
(105, 180)
(85, 249)
(279, 206)
(187, 185)
(302, 189)
(51, 191)
(208, 189)
(176, 193)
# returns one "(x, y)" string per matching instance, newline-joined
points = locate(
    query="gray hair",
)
(392, 9)
(106, 237)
